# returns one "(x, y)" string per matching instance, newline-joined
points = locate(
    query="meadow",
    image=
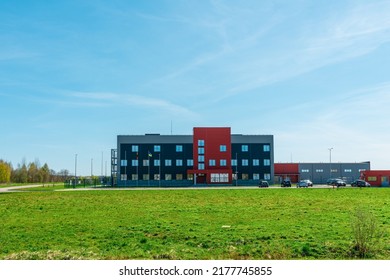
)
(191, 224)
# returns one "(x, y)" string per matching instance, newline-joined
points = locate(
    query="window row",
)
(222, 148)
(190, 162)
(157, 148)
(156, 162)
(214, 177)
(322, 170)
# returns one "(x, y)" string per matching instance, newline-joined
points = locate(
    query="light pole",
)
(330, 162)
(91, 168)
(75, 169)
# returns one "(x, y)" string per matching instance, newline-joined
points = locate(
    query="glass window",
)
(200, 151)
(222, 148)
(157, 148)
(179, 162)
(319, 170)
(212, 162)
(267, 162)
(134, 148)
(123, 162)
(168, 177)
(256, 162)
(267, 176)
(190, 162)
(134, 177)
(156, 162)
(348, 170)
(234, 162)
(245, 176)
(179, 176)
(244, 162)
(201, 158)
(222, 162)
(190, 176)
(201, 166)
(179, 148)
(134, 162)
(256, 176)
(123, 177)
(168, 162)
(305, 171)
(266, 148)
(145, 162)
(145, 177)
(200, 143)
(244, 148)
(157, 177)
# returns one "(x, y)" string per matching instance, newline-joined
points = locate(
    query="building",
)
(211, 156)
(319, 173)
(378, 178)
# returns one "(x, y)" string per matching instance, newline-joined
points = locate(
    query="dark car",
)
(360, 183)
(263, 184)
(336, 182)
(285, 183)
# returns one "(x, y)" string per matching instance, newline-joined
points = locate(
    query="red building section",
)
(212, 155)
(376, 177)
(286, 171)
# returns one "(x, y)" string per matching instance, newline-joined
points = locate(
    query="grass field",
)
(190, 224)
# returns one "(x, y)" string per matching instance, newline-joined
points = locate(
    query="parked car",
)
(263, 184)
(286, 183)
(336, 182)
(309, 183)
(360, 183)
(302, 184)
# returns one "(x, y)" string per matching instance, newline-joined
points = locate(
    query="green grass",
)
(189, 224)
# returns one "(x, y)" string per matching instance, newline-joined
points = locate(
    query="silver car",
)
(302, 184)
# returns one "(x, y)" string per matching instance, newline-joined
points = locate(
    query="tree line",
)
(31, 172)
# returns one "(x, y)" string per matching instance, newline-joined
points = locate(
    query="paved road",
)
(17, 188)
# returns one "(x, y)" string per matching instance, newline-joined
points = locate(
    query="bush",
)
(365, 232)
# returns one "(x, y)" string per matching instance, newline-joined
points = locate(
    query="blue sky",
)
(75, 74)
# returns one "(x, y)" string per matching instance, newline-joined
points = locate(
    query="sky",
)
(75, 74)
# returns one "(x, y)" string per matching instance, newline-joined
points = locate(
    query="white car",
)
(302, 184)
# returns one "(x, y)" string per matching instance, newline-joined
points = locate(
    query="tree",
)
(5, 172)
(44, 173)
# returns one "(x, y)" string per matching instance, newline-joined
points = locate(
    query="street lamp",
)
(75, 169)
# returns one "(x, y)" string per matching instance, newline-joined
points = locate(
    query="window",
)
(200, 151)
(145, 162)
(372, 178)
(157, 148)
(168, 177)
(179, 176)
(244, 148)
(305, 171)
(266, 148)
(245, 176)
(222, 148)
(134, 148)
(145, 177)
(319, 170)
(256, 162)
(124, 177)
(179, 148)
(190, 176)
(190, 162)
(267, 176)
(212, 162)
(134, 177)
(244, 162)
(333, 170)
(179, 162)
(157, 177)
(360, 170)
(234, 162)
(201, 166)
(222, 162)
(168, 162)
(219, 177)
(201, 158)
(200, 143)
(267, 162)
(156, 162)
(234, 176)
(134, 162)
(123, 162)
(347, 170)
(256, 176)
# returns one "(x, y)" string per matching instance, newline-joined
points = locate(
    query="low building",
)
(378, 178)
(319, 173)
(211, 156)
